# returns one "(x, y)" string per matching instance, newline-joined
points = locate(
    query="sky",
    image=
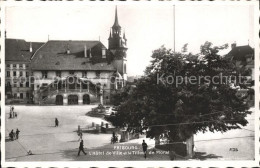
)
(147, 27)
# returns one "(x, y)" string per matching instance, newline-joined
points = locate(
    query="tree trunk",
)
(157, 141)
(190, 146)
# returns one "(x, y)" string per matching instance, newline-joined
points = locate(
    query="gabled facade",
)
(68, 72)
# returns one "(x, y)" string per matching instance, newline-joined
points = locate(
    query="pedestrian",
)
(10, 114)
(12, 111)
(11, 135)
(17, 133)
(81, 147)
(56, 122)
(14, 136)
(144, 148)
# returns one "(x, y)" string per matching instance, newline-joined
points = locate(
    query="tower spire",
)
(116, 24)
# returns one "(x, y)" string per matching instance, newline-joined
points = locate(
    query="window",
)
(27, 66)
(71, 72)
(21, 95)
(15, 84)
(14, 65)
(44, 74)
(58, 73)
(14, 73)
(27, 74)
(103, 53)
(21, 73)
(21, 84)
(8, 65)
(27, 95)
(27, 84)
(8, 73)
(45, 84)
(84, 74)
(98, 74)
(15, 95)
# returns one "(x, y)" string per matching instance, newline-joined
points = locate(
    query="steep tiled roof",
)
(18, 49)
(53, 56)
(239, 53)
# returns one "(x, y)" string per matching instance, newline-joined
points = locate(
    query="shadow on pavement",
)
(8, 140)
(204, 156)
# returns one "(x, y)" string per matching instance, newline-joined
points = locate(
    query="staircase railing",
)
(50, 91)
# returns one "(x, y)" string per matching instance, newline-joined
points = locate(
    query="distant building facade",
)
(71, 72)
(18, 69)
(243, 58)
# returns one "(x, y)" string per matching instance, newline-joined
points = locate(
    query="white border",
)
(234, 163)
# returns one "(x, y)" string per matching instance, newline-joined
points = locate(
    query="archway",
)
(72, 99)
(59, 100)
(86, 99)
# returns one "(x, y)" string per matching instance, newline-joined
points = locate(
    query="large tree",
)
(182, 94)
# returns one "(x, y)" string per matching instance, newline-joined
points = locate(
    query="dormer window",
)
(103, 52)
(71, 72)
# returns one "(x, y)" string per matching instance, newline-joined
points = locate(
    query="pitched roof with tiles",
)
(53, 56)
(18, 50)
(240, 53)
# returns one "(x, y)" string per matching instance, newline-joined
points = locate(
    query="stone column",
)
(65, 86)
(101, 95)
(124, 136)
(80, 99)
(80, 86)
(98, 128)
(65, 99)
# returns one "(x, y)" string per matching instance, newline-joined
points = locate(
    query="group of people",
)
(14, 135)
(12, 113)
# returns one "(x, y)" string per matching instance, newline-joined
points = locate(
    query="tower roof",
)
(110, 36)
(116, 24)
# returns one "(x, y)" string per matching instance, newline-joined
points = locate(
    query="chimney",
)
(233, 45)
(85, 51)
(68, 49)
(31, 50)
(90, 53)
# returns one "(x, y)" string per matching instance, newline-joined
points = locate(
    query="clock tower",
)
(117, 44)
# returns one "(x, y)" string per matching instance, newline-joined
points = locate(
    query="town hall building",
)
(73, 72)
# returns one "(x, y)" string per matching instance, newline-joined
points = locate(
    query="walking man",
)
(81, 148)
(144, 148)
(17, 133)
(56, 122)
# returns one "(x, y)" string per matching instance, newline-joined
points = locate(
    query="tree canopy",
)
(182, 94)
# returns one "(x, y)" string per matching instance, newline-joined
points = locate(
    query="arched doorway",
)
(59, 100)
(72, 99)
(86, 99)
